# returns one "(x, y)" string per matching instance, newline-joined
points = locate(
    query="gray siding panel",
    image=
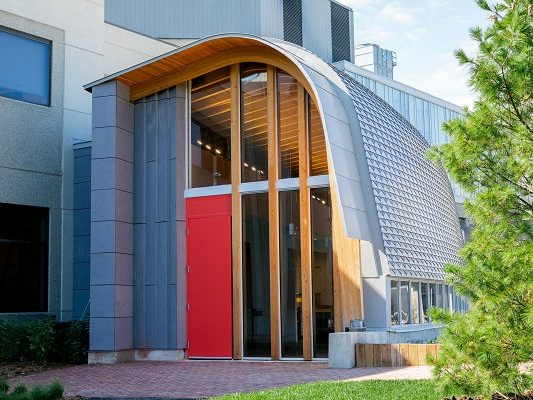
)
(82, 232)
(158, 139)
(340, 33)
(316, 27)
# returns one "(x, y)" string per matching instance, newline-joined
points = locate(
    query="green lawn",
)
(363, 390)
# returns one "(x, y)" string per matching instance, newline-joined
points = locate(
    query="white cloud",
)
(395, 12)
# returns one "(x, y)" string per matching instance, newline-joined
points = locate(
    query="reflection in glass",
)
(290, 275)
(414, 303)
(425, 302)
(438, 304)
(288, 125)
(394, 306)
(318, 162)
(445, 297)
(256, 275)
(432, 295)
(404, 302)
(322, 270)
(254, 122)
(210, 153)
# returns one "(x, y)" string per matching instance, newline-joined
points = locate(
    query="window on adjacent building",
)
(24, 67)
(23, 259)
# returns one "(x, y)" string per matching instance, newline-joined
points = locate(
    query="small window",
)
(405, 304)
(23, 259)
(395, 311)
(24, 68)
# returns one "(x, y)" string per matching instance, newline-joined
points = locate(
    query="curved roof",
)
(389, 193)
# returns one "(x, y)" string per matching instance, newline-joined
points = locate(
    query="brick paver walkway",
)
(193, 379)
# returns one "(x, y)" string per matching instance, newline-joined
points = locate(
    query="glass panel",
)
(445, 297)
(256, 275)
(395, 311)
(23, 259)
(24, 68)
(432, 296)
(404, 302)
(290, 275)
(438, 304)
(288, 125)
(210, 154)
(425, 302)
(322, 270)
(254, 124)
(415, 319)
(317, 142)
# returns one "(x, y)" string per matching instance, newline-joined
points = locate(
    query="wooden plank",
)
(377, 355)
(360, 355)
(396, 358)
(413, 354)
(347, 280)
(422, 353)
(369, 355)
(273, 215)
(403, 355)
(386, 356)
(305, 227)
(433, 349)
(236, 217)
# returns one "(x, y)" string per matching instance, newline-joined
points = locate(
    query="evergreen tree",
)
(491, 157)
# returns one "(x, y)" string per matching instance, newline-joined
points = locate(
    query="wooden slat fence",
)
(393, 355)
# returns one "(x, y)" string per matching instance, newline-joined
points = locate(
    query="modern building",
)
(372, 57)
(49, 49)
(235, 197)
(286, 197)
(324, 27)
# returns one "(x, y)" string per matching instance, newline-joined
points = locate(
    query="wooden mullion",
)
(236, 212)
(305, 228)
(273, 215)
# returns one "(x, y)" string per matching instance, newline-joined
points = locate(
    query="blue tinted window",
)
(24, 68)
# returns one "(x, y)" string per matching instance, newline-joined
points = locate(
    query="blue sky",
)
(424, 34)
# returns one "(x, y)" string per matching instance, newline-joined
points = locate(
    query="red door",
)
(209, 323)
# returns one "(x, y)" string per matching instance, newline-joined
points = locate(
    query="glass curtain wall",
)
(322, 270)
(254, 122)
(287, 87)
(255, 275)
(318, 161)
(210, 150)
(290, 274)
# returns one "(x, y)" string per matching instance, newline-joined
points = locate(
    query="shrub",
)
(52, 392)
(43, 341)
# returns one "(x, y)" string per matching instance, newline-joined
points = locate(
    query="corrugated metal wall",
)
(185, 18)
(292, 21)
(159, 221)
(272, 18)
(316, 27)
(340, 33)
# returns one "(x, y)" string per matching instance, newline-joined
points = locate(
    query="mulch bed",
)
(528, 395)
(14, 370)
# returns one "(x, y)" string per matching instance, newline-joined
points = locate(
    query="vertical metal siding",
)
(185, 18)
(340, 32)
(271, 12)
(316, 27)
(292, 21)
(157, 247)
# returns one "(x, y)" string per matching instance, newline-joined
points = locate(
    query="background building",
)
(373, 58)
(325, 27)
(49, 49)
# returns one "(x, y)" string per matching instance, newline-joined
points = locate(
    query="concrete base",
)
(342, 345)
(341, 350)
(159, 355)
(111, 357)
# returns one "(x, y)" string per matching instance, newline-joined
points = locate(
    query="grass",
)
(360, 390)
